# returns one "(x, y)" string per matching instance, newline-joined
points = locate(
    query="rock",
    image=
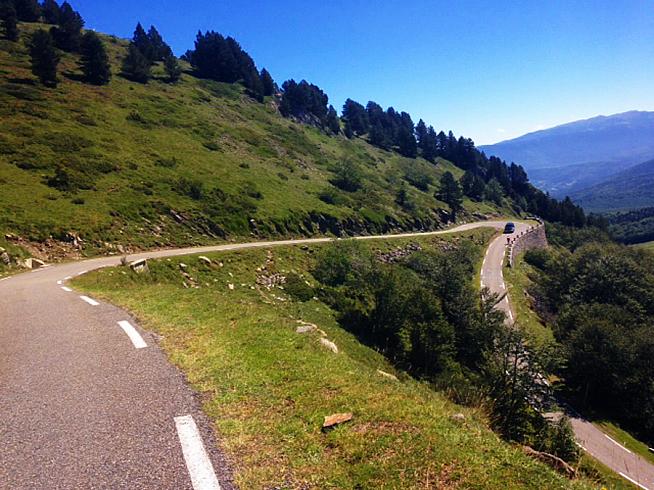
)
(552, 461)
(305, 329)
(387, 375)
(458, 417)
(204, 259)
(139, 266)
(183, 266)
(35, 263)
(329, 345)
(4, 258)
(332, 421)
(2, 249)
(120, 249)
(230, 286)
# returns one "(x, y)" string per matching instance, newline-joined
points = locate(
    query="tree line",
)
(599, 299)
(424, 315)
(221, 58)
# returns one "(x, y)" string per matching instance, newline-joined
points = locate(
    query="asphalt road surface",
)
(591, 439)
(88, 400)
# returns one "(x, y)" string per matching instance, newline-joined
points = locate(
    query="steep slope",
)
(630, 189)
(163, 164)
(578, 154)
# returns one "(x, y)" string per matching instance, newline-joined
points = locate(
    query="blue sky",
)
(489, 70)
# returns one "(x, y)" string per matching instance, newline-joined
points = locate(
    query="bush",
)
(419, 179)
(558, 438)
(348, 177)
(537, 257)
(297, 287)
(190, 188)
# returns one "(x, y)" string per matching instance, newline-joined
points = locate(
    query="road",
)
(591, 439)
(88, 400)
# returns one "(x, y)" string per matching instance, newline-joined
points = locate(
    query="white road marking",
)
(633, 481)
(80, 273)
(90, 301)
(59, 282)
(4, 279)
(582, 447)
(617, 443)
(133, 335)
(510, 315)
(67, 277)
(68, 290)
(197, 460)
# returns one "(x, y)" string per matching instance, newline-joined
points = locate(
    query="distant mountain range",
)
(630, 189)
(569, 158)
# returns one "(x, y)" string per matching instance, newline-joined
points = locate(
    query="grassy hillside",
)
(163, 164)
(267, 388)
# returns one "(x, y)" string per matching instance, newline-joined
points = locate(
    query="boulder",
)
(332, 421)
(305, 329)
(329, 345)
(139, 266)
(4, 257)
(458, 417)
(33, 263)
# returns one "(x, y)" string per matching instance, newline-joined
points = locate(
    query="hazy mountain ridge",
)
(579, 154)
(630, 189)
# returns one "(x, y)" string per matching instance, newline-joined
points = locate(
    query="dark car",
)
(509, 228)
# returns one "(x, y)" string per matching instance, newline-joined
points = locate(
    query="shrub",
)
(347, 177)
(297, 287)
(190, 188)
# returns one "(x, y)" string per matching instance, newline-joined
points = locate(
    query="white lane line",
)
(617, 443)
(67, 277)
(633, 481)
(90, 301)
(582, 447)
(80, 273)
(133, 335)
(197, 460)
(68, 290)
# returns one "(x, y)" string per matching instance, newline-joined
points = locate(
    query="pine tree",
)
(450, 193)
(159, 49)
(44, 57)
(27, 10)
(141, 41)
(68, 33)
(332, 123)
(267, 82)
(50, 11)
(430, 145)
(407, 142)
(421, 133)
(347, 130)
(9, 21)
(173, 70)
(136, 67)
(94, 61)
